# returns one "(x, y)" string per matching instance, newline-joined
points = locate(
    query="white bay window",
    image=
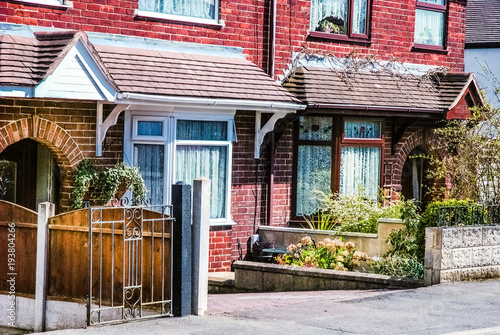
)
(168, 149)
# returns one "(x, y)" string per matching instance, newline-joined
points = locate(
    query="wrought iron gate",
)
(130, 263)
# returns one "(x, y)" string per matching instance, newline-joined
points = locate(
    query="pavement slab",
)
(467, 307)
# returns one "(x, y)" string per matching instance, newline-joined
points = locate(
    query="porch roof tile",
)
(28, 61)
(325, 86)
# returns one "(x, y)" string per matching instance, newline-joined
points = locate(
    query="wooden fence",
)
(68, 255)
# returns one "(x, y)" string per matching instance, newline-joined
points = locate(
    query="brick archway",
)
(64, 148)
(427, 139)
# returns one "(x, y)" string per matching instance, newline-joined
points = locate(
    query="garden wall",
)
(461, 253)
(254, 276)
(371, 244)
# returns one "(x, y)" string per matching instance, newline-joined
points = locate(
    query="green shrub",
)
(398, 267)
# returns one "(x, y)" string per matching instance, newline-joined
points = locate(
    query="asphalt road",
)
(465, 307)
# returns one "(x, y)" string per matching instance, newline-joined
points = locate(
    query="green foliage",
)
(326, 254)
(397, 266)
(105, 185)
(321, 221)
(357, 213)
(430, 218)
(85, 174)
(472, 150)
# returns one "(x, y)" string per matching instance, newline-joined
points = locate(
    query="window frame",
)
(49, 3)
(337, 142)
(180, 18)
(438, 9)
(350, 36)
(211, 143)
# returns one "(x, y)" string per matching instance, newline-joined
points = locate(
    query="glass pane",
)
(202, 130)
(362, 129)
(204, 9)
(359, 11)
(360, 168)
(8, 176)
(315, 128)
(433, 2)
(210, 162)
(149, 159)
(150, 128)
(313, 177)
(329, 16)
(429, 27)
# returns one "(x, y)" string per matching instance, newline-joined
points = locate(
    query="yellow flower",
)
(345, 253)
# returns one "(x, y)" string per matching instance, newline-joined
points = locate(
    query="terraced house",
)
(272, 100)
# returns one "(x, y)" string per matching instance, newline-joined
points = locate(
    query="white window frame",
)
(170, 142)
(52, 3)
(173, 17)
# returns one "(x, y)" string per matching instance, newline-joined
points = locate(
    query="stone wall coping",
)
(330, 274)
(308, 231)
(390, 220)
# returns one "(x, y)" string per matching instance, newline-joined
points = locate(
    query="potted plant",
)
(111, 183)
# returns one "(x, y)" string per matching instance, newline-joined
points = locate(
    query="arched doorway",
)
(414, 181)
(29, 174)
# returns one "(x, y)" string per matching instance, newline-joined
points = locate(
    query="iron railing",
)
(130, 263)
(468, 215)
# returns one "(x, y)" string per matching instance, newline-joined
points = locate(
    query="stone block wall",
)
(461, 253)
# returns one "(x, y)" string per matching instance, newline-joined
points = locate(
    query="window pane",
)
(8, 174)
(329, 16)
(362, 129)
(150, 128)
(205, 161)
(429, 27)
(313, 177)
(149, 159)
(433, 2)
(202, 130)
(204, 9)
(359, 16)
(360, 168)
(315, 128)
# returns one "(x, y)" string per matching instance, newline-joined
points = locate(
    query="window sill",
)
(41, 3)
(338, 38)
(429, 48)
(178, 19)
(221, 222)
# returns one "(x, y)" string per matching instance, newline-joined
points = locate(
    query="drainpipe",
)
(271, 183)
(272, 37)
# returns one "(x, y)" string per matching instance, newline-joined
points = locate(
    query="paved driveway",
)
(446, 308)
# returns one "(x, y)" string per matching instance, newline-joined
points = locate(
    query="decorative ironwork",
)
(471, 215)
(124, 282)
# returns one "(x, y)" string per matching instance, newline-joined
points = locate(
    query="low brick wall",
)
(371, 244)
(461, 253)
(257, 277)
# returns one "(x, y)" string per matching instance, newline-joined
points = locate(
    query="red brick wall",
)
(392, 30)
(69, 133)
(246, 26)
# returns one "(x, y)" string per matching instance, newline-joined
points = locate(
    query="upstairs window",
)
(430, 18)
(192, 10)
(344, 18)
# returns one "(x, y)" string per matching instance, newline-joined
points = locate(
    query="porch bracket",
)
(103, 125)
(260, 133)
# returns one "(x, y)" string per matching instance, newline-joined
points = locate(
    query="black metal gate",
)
(130, 274)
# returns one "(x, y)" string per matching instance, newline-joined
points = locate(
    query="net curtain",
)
(205, 161)
(150, 159)
(429, 27)
(338, 8)
(360, 167)
(204, 9)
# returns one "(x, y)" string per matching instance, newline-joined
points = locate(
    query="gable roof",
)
(325, 88)
(29, 61)
(483, 23)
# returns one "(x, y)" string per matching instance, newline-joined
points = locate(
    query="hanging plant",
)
(101, 187)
